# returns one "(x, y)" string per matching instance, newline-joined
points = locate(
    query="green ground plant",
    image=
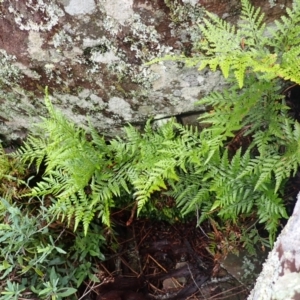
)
(42, 258)
(12, 171)
(35, 261)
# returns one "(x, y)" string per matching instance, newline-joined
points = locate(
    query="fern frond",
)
(154, 180)
(290, 65)
(220, 37)
(270, 210)
(190, 191)
(252, 27)
(265, 169)
(239, 49)
(33, 151)
(286, 33)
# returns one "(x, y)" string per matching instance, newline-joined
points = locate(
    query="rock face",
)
(91, 54)
(280, 278)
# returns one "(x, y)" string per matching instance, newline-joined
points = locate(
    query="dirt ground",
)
(156, 260)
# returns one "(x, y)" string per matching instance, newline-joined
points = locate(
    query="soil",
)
(156, 260)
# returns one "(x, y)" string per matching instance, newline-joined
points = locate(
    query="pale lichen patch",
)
(287, 287)
(26, 71)
(79, 7)
(36, 15)
(120, 10)
(120, 107)
(35, 43)
(9, 70)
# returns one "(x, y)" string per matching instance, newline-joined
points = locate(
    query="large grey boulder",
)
(91, 54)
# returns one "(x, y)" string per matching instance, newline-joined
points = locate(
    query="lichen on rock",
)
(100, 46)
(280, 278)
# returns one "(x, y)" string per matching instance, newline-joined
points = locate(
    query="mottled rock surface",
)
(280, 278)
(91, 54)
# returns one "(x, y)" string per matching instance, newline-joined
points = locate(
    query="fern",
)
(145, 166)
(249, 47)
(235, 49)
(191, 192)
(87, 177)
(72, 162)
(290, 65)
(254, 58)
(286, 33)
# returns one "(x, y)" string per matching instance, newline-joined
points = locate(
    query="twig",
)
(157, 263)
(155, 288)
(203, 231)
(133, 211)
(144, 237)
(226, 297)
(106, 270)
(93, 287)
(60, 235)
(128, 266)
(192, 276)
(288, 88)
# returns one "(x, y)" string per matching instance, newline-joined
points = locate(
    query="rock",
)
(280, 277)
(244, 267)
(92, 57)
(174, 283)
